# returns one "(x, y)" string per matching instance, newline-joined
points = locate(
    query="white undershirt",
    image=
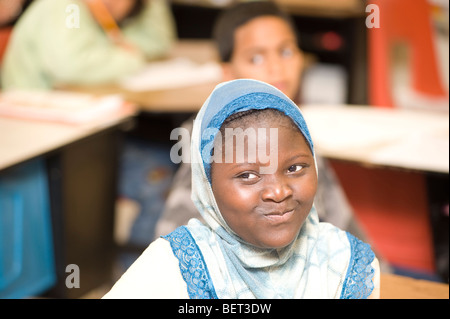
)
(156, 275)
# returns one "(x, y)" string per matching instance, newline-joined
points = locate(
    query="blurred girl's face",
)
(266, 49)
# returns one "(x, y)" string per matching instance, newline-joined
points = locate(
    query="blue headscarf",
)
(314, 265)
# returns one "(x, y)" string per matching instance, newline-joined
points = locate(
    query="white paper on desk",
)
(427, 151)
(345, 129)
(171, 74)
(57, 106)
(409, 139)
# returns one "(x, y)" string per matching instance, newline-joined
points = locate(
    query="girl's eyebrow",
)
(301, 155)
(263, 49)
(290, 159)
(288, 41)
(239, 165)
(298, 156)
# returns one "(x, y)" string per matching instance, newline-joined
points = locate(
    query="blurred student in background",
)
(10, 11)
(59, 43)
(66, 42)
(257, 40)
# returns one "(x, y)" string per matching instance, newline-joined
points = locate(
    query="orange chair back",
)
(407, 22)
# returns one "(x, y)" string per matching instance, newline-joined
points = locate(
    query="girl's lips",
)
(279, 217)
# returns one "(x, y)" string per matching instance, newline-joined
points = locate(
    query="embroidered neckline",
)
(192, 265)
(358, 282)
(357, 285)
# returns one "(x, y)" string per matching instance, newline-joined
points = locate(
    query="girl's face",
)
(267, 210)
(266, 49)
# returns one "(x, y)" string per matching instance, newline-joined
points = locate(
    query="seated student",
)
(261, 236)
(63, 42)
(257, 40)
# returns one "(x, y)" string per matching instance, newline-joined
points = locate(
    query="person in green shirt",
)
(63, 42)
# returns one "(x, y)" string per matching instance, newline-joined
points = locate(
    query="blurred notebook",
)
(172, 74)
(58, 106)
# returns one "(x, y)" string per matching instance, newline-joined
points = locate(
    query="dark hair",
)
(239, 14)
(244, 118)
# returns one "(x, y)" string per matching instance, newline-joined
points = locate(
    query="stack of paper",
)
(59, 106)
(171, 74)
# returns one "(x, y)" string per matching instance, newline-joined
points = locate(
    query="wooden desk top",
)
(399, 287)
(187, 99)
(21, 140)
(396, 138)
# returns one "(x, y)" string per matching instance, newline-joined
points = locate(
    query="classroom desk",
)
(185, 100)
(397, 138)
(399, 287)
(21, 140)
(81, 163)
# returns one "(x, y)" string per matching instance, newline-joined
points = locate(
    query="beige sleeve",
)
(154, 275)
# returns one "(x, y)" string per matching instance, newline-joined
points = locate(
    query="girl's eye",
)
(294, 168)
(287, 53)
(257, 59)
(248, 176)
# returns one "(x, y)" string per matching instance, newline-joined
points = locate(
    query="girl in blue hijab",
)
(254, 179)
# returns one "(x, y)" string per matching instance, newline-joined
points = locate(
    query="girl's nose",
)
(276, 189)
(274, 65)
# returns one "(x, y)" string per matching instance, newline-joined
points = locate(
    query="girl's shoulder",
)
(191, 263)
(362, 279)
(155, 274)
